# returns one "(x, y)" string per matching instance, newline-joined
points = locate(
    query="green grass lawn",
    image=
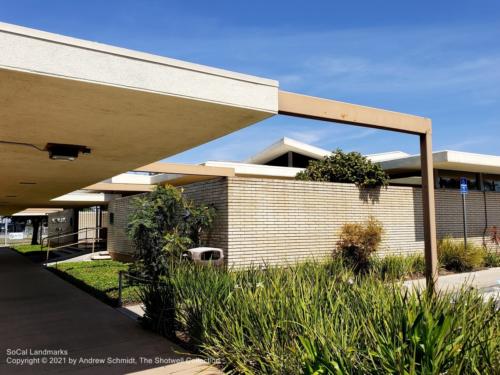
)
(26, 248)
(99, 278)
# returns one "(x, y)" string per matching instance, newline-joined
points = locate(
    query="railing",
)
(47, 241)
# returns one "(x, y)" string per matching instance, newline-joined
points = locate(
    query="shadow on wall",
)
(370, 194)
(481, 214)
(418, 214)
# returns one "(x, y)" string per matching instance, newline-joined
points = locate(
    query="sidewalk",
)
(478, 279)
(40, 312)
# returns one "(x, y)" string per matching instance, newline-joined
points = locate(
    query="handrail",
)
(95, 238)
(59, 235)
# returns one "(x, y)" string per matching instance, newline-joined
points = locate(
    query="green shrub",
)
(351, 167)
(396, 267)
(158, 299)
(492, 259)
(161, 225)
(322, 319)
(358, 241)
(454, 256)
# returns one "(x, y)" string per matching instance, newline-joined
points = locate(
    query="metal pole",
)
(464, 211)
(6, 231)
(120, 285)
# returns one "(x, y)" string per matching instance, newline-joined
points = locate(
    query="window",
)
(491, 182)
(210, 255)
(451, 179)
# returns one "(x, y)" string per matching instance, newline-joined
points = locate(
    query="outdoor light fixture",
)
(59, 151)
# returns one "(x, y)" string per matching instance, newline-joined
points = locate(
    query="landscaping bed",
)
(318, 318)
(99, 278)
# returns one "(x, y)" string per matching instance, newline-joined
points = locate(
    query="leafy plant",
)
(454, 256)
(492, 259)
(175, 244)
(351, 167)
(162, 224)
(394, 267)
(158, 299)
(358, 241)
(321, 318)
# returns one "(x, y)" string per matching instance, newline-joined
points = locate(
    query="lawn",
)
(26, 248)
(99, 278)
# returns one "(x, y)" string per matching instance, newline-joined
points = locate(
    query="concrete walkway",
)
(479, 279)
(41, 312)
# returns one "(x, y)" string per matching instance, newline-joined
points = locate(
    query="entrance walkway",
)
(39, 311)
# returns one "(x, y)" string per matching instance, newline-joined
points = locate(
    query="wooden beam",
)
(189, 169)
(298, 105)
(430, 239)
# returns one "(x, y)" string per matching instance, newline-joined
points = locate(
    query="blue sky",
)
(439, 59)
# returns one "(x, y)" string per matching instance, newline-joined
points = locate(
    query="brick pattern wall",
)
(119, 245)
(208, 192)
(213, 192)
(278, 221)
(268, 221)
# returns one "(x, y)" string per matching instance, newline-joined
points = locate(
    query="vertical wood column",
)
(430, 240)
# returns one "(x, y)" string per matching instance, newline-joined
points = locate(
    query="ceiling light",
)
(59, 151)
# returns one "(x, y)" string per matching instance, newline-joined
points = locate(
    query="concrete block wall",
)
(62, 222)
(269, 221)
(120, 247)
(282, 221)
(278, 221)
(213, 192)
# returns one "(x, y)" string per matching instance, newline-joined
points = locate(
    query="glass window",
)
(491, 182)
(451, 180)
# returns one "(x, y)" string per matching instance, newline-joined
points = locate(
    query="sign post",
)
(464, 190)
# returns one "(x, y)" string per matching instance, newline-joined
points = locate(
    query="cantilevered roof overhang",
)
(130, 108)
(449, 160)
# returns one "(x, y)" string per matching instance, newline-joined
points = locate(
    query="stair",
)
(101, 255)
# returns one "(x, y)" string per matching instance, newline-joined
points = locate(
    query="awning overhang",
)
(130, 108)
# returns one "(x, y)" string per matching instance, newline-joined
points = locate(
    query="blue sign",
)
(464, 189)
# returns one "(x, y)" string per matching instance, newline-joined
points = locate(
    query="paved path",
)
(478, 279)
(40, 311)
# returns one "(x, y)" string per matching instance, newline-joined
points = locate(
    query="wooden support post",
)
(430, 241)
(292, 104)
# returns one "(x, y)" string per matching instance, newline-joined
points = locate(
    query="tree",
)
(351, 167)
(35, 222)
(162, 224)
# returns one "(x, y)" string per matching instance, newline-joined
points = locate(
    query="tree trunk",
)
(36, 226)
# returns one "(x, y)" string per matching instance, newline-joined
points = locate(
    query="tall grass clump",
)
(455, 256)
(397, 267)
(327, 319)
(492, 259)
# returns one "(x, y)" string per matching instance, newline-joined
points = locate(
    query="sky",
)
(438, 59)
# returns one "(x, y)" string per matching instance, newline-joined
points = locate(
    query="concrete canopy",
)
(450, 160)
(129, 108)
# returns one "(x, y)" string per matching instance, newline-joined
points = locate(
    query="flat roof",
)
(130, 108)
(448, 159)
